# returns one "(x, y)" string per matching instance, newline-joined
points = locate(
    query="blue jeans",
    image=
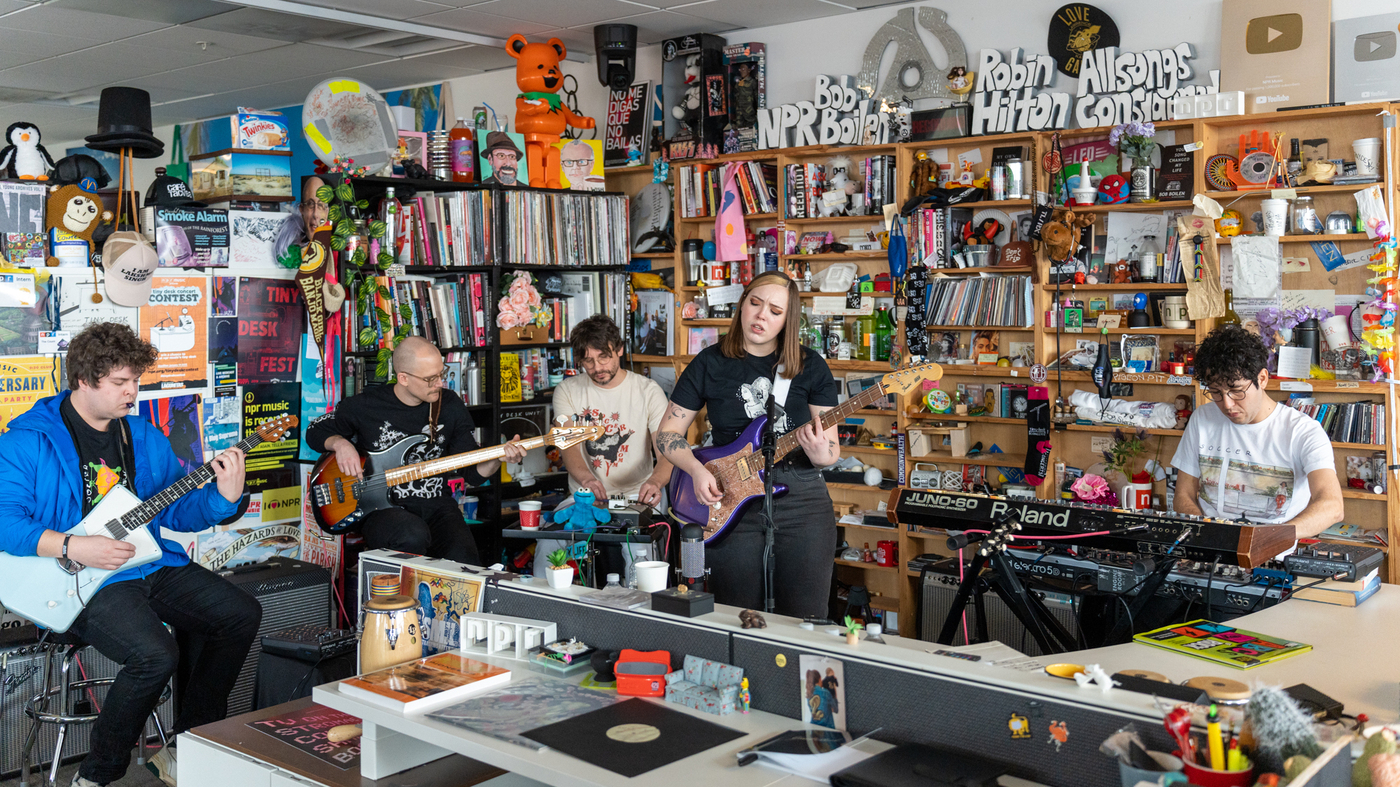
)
(125, 622)
(805, 544)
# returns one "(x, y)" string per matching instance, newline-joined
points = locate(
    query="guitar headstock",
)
(274, 430)
(910, 379)
(570, 436)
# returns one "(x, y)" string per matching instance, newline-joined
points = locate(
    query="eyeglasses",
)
(430, 380)
(314, 205)
(586, 163)
(1235, 394)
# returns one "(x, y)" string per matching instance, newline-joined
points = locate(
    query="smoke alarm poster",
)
(270, 318)
(176, 321)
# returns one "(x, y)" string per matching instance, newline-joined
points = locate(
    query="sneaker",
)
(163, 765)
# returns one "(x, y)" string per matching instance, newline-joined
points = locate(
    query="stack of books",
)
(1343, 594)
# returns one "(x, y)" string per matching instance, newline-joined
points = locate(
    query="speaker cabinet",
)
(939, 590)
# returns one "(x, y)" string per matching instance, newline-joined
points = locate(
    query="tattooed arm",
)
(820, 444)
(672, 446)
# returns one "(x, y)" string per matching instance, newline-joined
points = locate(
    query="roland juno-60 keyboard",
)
(1192, 538)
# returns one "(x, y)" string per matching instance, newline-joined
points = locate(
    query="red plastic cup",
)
(887, 553)
(1205, 777)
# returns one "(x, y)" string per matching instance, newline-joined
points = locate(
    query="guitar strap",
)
(781, 385)
(434, 410)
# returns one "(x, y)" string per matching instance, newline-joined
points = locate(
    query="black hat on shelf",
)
(168, 191)
(124, 122)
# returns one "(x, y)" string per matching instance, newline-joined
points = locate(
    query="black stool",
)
(37, 708)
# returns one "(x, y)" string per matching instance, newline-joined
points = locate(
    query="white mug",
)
(1135, 497)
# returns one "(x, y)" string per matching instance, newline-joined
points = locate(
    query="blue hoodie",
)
(41, 487)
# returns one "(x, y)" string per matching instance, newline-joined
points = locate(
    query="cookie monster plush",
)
(582, 514)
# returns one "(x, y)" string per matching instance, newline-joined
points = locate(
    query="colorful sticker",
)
(1058, 734)
(1020, 727)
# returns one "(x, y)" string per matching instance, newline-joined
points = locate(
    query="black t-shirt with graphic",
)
(99, 455)
(736, 391)
(377, 419)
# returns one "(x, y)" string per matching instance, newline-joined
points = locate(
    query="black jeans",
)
(436, 529)
(125, 622)
(804, 544)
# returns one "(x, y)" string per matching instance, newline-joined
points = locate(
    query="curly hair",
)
(599, 333)
(105, 346)
(1228, 355)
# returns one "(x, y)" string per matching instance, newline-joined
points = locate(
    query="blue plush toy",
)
(582, 514)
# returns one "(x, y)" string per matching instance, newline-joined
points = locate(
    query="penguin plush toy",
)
(23, 156)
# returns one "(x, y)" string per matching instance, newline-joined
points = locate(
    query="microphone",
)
(692, 552)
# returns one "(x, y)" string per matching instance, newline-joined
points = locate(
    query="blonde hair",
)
(789, 341)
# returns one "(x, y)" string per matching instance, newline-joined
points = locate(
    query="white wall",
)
(799, 51)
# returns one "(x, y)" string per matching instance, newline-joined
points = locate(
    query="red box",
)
(642, 673)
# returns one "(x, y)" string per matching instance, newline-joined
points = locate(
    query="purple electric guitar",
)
(738, 467)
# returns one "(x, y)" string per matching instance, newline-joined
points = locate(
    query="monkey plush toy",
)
(72, 211)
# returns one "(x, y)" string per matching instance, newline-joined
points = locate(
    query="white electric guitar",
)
(52, 591)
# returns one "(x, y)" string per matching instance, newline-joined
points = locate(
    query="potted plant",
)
(852, 631)
(1134, 141)
(560, 573)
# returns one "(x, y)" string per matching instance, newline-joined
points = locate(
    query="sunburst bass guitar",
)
(738, 467)
(339, 501)
(52, 591)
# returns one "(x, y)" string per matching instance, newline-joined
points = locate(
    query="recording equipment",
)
(309, 642)
(616, 46)
(1329, 560)
(291, 593)
(692, 552)
(1187, 537)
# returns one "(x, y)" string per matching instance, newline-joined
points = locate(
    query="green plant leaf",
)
(367, 336)
(362, 204)
(337, 243)
(385, 293)
(333, 214)
(358, 258)
(385, 259)
(325, 194)
(377, 229)
(346, 192)
(345, 227)
(406, 311)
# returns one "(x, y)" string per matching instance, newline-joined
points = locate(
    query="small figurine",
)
(959, 80)
(1183, 411)
(1113, 190)
(752, 619)
(1122, 272)
(687, 111)
(582, 514)
(839, 180)
(745, 699)
(23, 157)
(540, 114)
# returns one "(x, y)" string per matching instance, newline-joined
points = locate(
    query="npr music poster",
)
(270, 316)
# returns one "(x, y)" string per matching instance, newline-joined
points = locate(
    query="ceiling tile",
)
(45, 81)
(270, 24)
(77, 24)
(570, 14)
(186, 46)
(863, 4)
(578, 40)
(648, 5)
(98, 65)
(389, 9)
(171, 12)
(748, 13)
(386, 76)
(295, 59)
(39, 45)
(8, 6)
(19, 96)
(657, 26)
(208, 78)
(475, 58)
(471, 20)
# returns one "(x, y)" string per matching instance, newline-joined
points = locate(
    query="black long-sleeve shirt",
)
(377, 419)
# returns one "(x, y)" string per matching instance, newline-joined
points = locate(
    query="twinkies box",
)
(260, 131)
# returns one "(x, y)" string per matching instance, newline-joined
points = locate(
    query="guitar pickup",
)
(340, 490)
(744, 472)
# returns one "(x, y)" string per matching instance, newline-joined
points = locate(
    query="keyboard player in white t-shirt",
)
(1245, 456)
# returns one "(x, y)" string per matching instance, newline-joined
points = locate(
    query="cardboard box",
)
(1366, 66)
(236, 174)
(746, 77)
(1277, 52)
(260, 131)
(693, 81)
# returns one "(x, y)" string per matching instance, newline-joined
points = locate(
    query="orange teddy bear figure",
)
(540, 115)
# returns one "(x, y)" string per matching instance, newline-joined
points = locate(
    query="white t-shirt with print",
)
(629, 414)
(1255, 471)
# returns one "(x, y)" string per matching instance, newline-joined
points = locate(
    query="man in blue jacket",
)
(56, 462)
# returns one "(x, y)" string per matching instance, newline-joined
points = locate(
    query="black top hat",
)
(500, 140)
(124, 122)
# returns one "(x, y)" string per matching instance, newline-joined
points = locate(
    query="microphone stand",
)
(769, 446)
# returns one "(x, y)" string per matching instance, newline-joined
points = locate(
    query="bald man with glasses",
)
(1245, 456)
(427, 521)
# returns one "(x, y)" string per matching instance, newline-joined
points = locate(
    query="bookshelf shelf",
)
(846, 255)
(1137, 207)
(747, 217)
(1111, 429)
(972, 271)
(1007, 328)
(975, 419)
(1139, 287)
(697, 323)
(835, 220)
(1302, 190)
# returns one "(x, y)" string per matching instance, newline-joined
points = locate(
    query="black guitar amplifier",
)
(292, 593)
(310, 643)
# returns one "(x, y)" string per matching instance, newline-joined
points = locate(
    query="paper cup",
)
(1368, 155)
(1275, 215)
(651, 575)
(1336, 333)
(470, 505)
(530, 515)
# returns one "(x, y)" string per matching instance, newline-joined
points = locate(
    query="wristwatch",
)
(66, 539)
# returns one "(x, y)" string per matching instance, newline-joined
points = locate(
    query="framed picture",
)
(413, 146)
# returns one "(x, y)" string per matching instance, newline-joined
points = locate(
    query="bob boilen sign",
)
(1011, 93)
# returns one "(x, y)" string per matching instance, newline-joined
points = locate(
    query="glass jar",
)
(1147, 259)
(1305, 219)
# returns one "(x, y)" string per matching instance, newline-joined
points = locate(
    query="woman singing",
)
(762, 355)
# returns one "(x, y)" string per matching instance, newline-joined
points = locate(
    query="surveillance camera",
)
(617, 54)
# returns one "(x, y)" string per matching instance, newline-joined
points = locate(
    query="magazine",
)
(1222, 644)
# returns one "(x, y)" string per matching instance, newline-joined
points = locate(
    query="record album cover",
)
(633, 737)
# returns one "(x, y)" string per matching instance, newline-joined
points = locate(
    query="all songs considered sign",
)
(270, 315)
